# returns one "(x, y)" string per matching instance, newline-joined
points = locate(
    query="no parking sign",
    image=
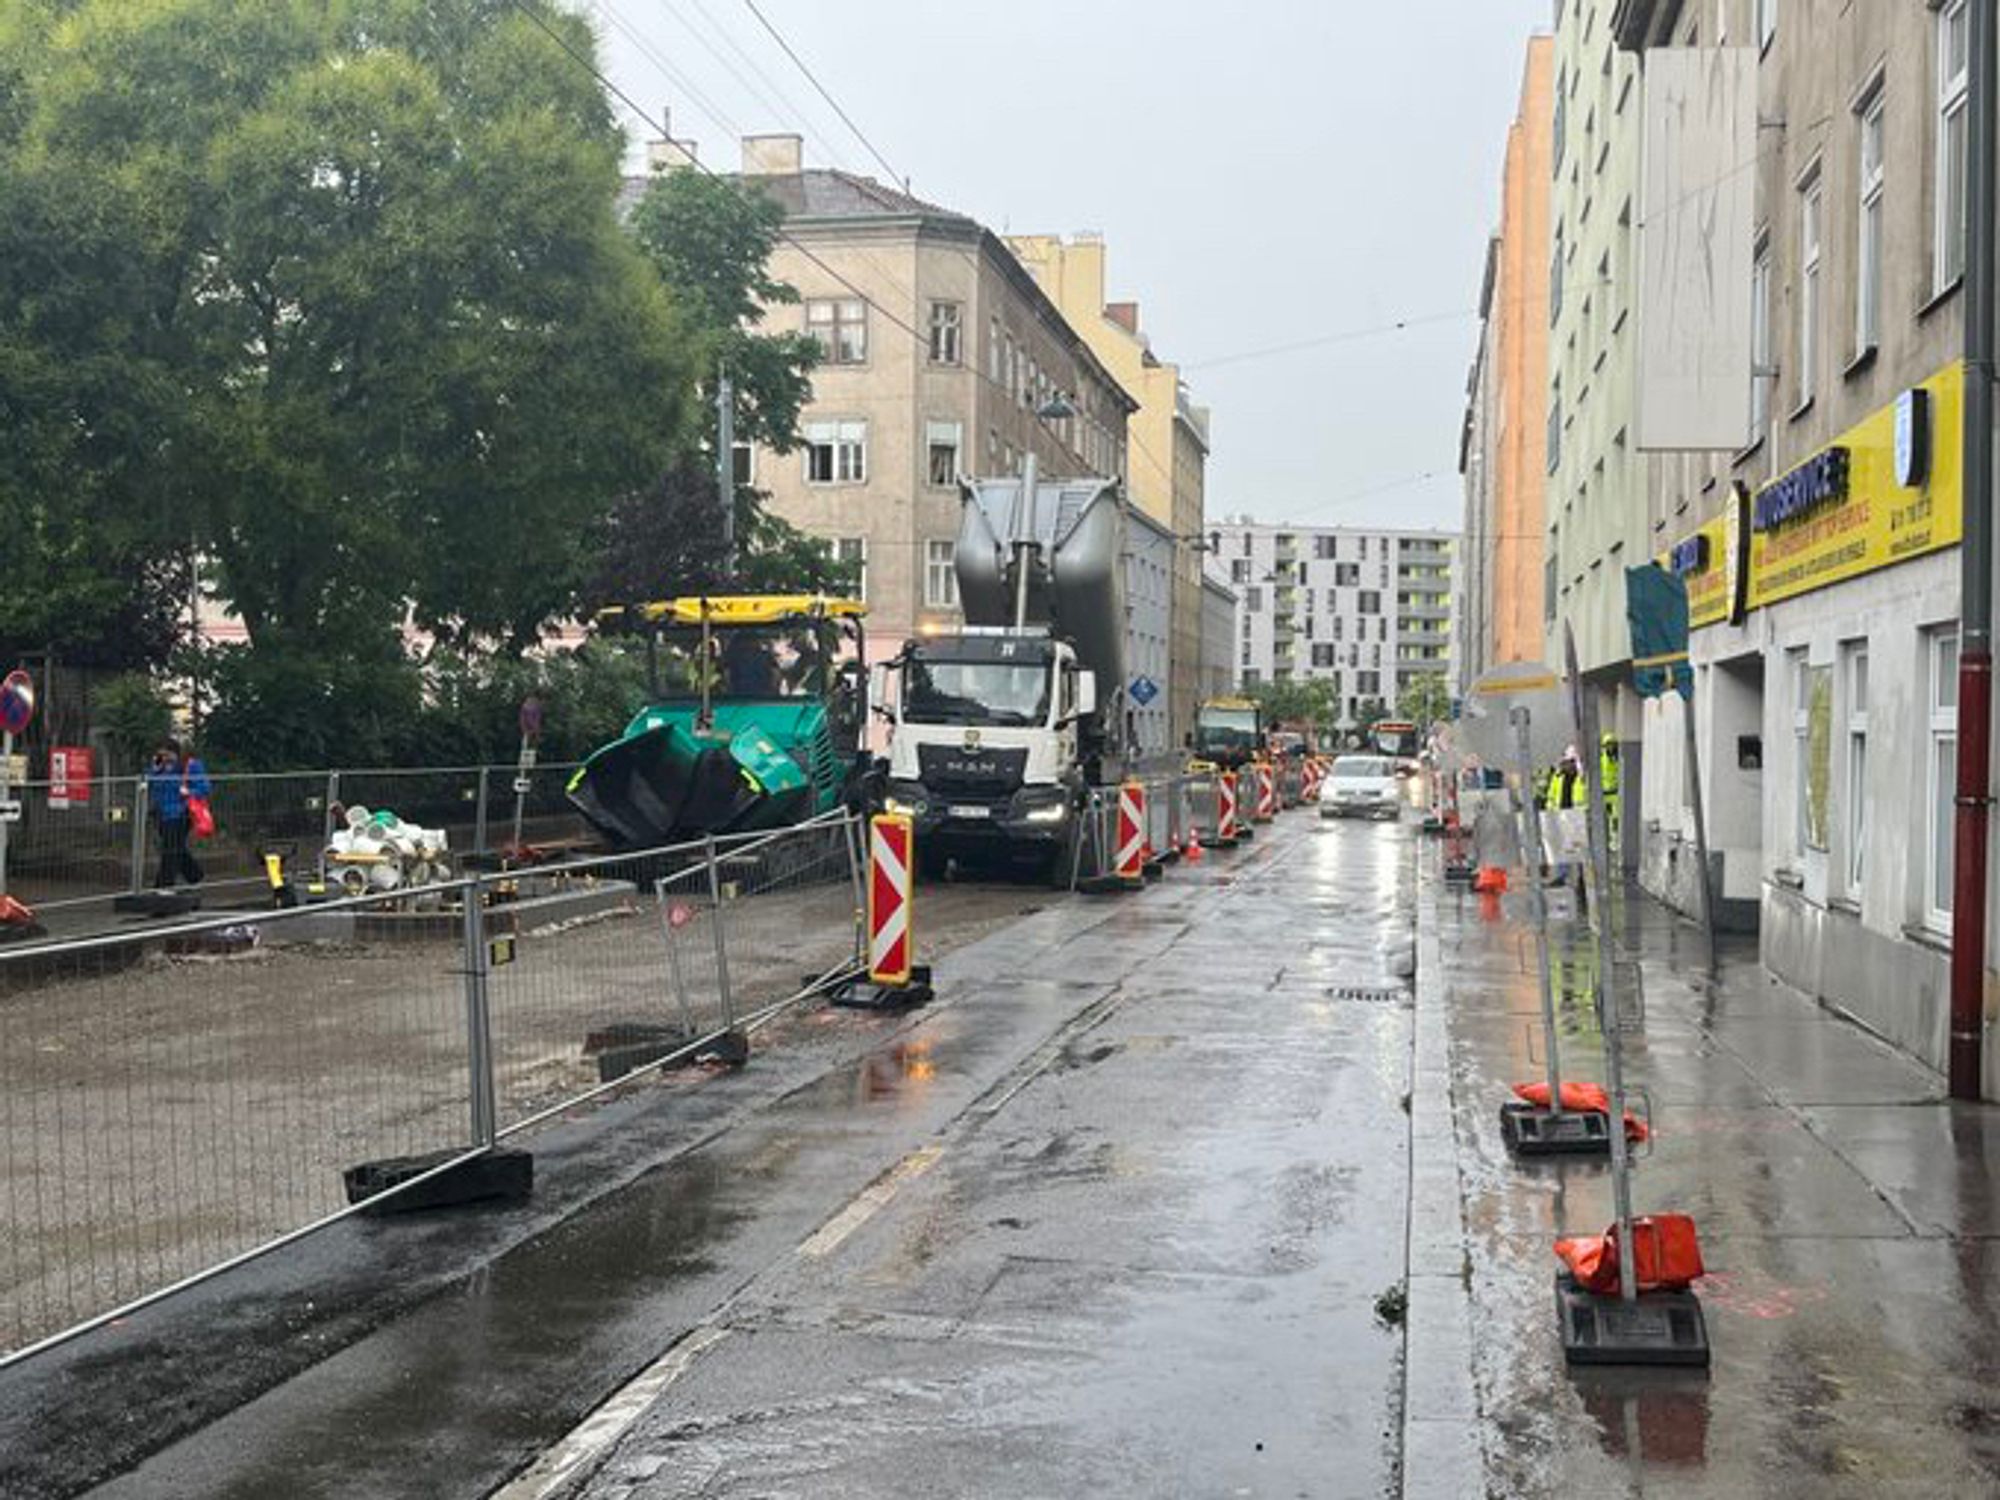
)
(17, 702)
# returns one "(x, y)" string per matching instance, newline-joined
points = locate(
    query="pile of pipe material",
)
(378, 852)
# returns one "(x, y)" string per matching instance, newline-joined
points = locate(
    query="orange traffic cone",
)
(1192, 854)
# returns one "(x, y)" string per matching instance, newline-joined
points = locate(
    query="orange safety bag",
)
(1666, 1256)
(1583, 1098)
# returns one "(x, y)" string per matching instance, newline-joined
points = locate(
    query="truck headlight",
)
(1055, 812)
(907, 809)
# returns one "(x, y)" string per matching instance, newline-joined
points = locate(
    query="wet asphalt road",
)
(1110, 1219)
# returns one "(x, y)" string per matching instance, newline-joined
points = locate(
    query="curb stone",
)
(1442, 1456)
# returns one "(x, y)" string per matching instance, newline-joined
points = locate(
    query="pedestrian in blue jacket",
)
(170, 781)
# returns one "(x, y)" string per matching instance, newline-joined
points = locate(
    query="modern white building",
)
(1367, 611)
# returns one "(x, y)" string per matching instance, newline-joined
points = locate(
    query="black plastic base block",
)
(864, 994)
(21, 932)
(625, 1047)
(1108, 885)
(499, 1173)
(730, 1048)
(1155, 869)
(1458, 874)
(1529, 1131)
(156, 903)
(1656, 1328)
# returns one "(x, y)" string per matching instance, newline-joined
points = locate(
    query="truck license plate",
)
(972, 812)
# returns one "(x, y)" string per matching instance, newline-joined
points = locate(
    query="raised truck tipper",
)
(1001, 728)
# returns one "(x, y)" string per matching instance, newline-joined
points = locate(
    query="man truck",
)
(1000, 729)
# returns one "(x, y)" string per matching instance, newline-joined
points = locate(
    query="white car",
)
(1362, 786)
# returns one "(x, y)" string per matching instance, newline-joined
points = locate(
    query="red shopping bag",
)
(201, 821)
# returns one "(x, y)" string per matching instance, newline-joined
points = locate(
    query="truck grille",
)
(949, 771)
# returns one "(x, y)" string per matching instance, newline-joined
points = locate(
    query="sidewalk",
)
(1848, 1218)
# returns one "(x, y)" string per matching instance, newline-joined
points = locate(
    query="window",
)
(1767, 23)
(836, 452)
(1556, 278)
(1554, 438)
(1868, 250)
(944, 443)
(1323, 548)
(1371, 602)
(852, 552)
(743, 462)
(1761, 372)
(940, 576)
(1253, 600)
(1369, 684)
(1239, 570)
(1339, 626)
(946, 323)
(1561, 116)
(993, 351)
(1856, 677)
(1347, 575)
(1795, 670)
(1952, 53)
(1943, 760)
(1811, 199)
(841, 326)
(1323, 656)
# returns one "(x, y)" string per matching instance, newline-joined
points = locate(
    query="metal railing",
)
(180, 1099)
(68, 852)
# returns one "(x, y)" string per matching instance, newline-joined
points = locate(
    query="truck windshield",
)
(977, 692)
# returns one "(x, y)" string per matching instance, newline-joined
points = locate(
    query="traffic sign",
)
(1144, 690)
(17, 702)
(10, 810)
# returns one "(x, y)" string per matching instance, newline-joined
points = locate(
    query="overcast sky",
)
(1263, 173)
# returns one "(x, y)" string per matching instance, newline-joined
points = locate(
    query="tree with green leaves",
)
(1426, 701)
(335, 296)
(710, 239)
(1297, 701)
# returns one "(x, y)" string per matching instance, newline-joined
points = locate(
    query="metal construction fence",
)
(178, 1099)
(86, 843)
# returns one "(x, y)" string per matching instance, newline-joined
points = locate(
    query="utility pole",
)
(725, 466)
(1975, 644)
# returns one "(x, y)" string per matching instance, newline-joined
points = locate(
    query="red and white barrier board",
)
(1130, 864)
(891, 938)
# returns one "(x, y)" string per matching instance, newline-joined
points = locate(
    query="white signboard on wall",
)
(1696, 221)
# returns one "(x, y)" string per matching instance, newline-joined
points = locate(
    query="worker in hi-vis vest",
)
(1607, 771)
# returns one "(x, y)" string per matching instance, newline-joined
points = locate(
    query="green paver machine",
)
(757, 719)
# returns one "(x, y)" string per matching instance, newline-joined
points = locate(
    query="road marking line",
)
(867, 1203)
(595, 1434)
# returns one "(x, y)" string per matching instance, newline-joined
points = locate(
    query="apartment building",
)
(1821, 561)
(1167, 435)
(1218, 635)
(1594, 495)
(942, 358)
(1368, 612)
(1503, 441)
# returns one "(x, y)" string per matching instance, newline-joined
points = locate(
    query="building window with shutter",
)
(943, 443)
(836, 452)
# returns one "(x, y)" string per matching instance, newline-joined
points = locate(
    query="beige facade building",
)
(1822, 560)
(940, 351)
(1168, 433)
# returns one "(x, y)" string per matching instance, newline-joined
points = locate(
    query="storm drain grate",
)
(1373, 994)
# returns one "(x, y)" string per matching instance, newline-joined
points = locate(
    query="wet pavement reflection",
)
(1846, 1212)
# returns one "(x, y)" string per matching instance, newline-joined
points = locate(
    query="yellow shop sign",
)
(1887, 490)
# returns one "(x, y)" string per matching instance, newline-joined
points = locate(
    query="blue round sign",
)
(17, 702)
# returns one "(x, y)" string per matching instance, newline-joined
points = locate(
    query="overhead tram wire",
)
(784, 106)
(832, 103)
(775, 102)
(526, 9)
(695, 96)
